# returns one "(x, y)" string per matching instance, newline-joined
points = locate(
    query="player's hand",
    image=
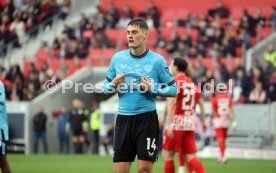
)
(170, 133)
(234, 125)
(119, 79)
(204, 127)
(146, 84)
(211, 123)
(161, 124)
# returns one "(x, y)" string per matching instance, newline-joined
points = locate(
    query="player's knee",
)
(169, 155)
(189, 157)
(220, 139)
(144, 169)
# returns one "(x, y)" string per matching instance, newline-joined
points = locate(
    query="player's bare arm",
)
(202, 113)
(233, 118)
(171, 107)
(170, 113)
(165, 113)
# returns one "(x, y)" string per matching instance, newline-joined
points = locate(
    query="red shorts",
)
(182, 142)
(221, 133)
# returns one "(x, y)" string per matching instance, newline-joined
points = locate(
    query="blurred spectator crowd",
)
(19, 17)
(211, 34)
(26, 86)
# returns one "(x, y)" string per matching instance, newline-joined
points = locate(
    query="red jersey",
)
(187, 97)
(186, 100)
(221, 105)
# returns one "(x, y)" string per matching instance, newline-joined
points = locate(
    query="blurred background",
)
(57, 40)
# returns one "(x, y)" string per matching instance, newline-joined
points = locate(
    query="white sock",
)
(181, 169)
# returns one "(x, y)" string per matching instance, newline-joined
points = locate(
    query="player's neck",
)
(179, 74)
(137, 52)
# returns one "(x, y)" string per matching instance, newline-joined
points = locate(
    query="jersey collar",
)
(139, 56)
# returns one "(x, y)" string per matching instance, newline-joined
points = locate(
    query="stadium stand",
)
(23, 17)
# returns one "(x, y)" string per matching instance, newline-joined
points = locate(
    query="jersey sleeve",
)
(2, 95)
(164, 73)
(3, 115)
(111, 74)
(167, 86)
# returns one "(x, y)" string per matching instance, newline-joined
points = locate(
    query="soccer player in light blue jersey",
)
(138, 75)
(4, 136)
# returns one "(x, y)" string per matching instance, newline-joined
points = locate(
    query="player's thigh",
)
(189, 157)
(121, 167)
(189, 143)
(147, 135)
(174, 143)
(124, 148)
(168, 154)
(145, 166)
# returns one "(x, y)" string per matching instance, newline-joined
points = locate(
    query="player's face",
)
(136, 36)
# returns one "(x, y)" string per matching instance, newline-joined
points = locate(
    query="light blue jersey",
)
(3, 115)
(151, 65)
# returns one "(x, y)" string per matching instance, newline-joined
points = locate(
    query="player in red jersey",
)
(182, 164)
(179, 135)
(222, 113)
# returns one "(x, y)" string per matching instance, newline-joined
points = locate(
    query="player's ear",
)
(146, 33)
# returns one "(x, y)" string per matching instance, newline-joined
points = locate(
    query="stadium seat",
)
(96, 61)
(26, 64)
(182, 14)
(239, 51)
(69, 63)
(181, 31)
(96, 56)
(208, 62)
(194, 34)
(152, 38)
(41, 57)
(265, 32)
(229, 63)
(266, 11)
(237, 14)
(84, 62)
(113, 35)
(167, 33)
(253, 41)
(107, 55)
(95, 52)
(116, 36)
(101, 57)
(169, 18)
(55, 64)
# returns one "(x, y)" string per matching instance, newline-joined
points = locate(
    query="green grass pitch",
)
(97, 164)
